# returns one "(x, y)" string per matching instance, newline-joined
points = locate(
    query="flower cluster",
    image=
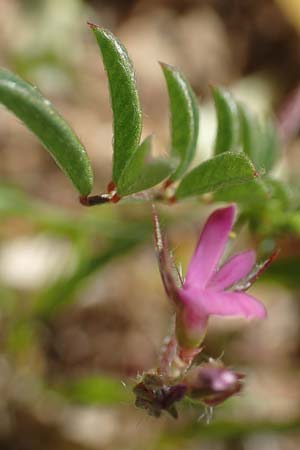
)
(209, 288)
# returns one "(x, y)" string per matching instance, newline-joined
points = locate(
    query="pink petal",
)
(236, 268)
(234, 304)
(208, 302)
(210, 247)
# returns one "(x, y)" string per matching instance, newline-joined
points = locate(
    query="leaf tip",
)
(166, 66)
(92, 25)
(258, 173)
(162, 64)
(98, 28)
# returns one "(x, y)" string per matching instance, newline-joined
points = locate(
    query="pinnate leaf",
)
(225, 170)
(37, 113)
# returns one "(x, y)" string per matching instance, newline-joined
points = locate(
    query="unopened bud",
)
(213, 383)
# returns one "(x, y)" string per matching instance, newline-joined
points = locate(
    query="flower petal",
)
(236, 268)
(202, 304)
(210, 247)
(233, 304)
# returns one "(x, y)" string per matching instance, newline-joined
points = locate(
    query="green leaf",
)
(269, 151)
(250, 132)
(95, 390)
(139, 175)
(255, 195)
(28, 104)
(184, 119)
(228, 131)
(260, 140)
(250, 194)
(125, 103)
(225, 170)
(280, 191)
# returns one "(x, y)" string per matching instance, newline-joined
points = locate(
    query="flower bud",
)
(212, 383)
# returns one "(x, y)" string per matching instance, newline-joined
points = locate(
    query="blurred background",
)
(82, 308)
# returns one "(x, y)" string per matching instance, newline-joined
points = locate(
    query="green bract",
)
(37, 113)
(184, 119)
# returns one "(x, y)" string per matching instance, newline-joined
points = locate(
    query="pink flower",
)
(209, 289)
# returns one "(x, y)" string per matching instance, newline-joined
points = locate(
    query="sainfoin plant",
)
(239, 174)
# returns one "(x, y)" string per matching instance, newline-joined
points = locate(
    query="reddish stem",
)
(93, 200)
